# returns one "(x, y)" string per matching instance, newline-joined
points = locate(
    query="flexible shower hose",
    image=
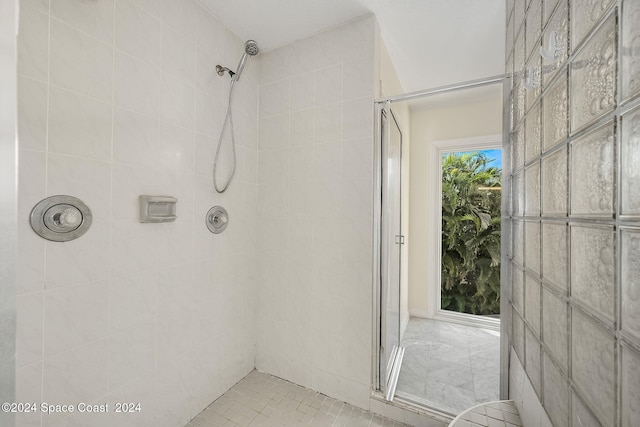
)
(228, 123)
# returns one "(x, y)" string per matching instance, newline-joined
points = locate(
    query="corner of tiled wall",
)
(119, 98)
(574, 147)
(315, 176)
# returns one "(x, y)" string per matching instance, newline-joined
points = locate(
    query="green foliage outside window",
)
(470, 234)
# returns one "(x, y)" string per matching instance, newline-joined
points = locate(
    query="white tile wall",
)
(80, 63)
(165, 314)
(315, 174)
(522, 393)
(119, 98)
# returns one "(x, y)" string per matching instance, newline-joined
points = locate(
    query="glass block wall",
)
(574, 186)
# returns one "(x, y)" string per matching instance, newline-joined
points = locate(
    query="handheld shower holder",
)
(220, 70)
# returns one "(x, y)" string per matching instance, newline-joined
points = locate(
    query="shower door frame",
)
(387, 385)
(379, 104)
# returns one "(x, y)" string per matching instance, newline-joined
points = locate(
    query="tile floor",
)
(263, 400)
(495, 414)
(449, 366)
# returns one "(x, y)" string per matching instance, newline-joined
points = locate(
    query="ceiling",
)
(431, 42)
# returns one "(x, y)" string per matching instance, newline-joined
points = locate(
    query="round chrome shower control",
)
(217, 219)
(60, 218)
(63, 218)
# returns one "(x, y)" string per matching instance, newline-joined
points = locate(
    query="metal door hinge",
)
(399, 239)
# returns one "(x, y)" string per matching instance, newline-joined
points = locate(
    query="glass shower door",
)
(390, 244)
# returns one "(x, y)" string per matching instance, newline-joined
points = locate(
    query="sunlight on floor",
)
(449, 366)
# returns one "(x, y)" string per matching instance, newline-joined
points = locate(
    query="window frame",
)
(434, 285)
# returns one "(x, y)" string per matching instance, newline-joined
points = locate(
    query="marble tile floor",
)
(261, 400)
(494, 414)
(448, 366)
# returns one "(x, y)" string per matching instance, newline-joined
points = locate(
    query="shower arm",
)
(220, 70)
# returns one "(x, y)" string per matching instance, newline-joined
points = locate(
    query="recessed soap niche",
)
(156, 208)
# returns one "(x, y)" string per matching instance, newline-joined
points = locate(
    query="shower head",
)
(250, 49)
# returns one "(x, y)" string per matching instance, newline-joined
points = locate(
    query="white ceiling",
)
(431, 42)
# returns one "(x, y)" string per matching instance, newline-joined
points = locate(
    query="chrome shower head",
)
(251, 47)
